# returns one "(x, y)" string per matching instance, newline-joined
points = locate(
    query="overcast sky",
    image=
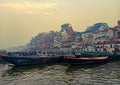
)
(20, 20)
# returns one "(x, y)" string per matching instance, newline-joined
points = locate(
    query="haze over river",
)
(61, 74)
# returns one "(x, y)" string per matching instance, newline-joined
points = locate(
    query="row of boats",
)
(31, 58)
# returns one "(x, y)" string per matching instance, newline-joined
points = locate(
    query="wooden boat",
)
(111, 56)
(85, 60)
(31, 60)
(24, 58)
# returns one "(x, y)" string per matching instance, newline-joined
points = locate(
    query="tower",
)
(67, 32)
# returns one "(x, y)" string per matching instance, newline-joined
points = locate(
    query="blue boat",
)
(31, 58)
(1, 59)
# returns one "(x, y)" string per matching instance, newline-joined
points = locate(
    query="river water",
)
(61, 74)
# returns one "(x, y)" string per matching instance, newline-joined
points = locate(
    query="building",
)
(67, 32)
(103, 36)
(87, 37)
(57, 41)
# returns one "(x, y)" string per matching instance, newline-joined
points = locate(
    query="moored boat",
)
(111, 56)
(85, 60)
(31, 58)
(1, 59)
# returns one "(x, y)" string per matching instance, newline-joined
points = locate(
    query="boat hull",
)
(113, 56)
(85, 60)
(30, 60)
(1, 58)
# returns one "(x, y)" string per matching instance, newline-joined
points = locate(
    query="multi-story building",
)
(67, 32)
(103, 40)
(87, 37)
(117, 32)
(103, 36)
(57, 41)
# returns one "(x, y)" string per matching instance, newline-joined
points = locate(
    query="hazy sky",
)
(20, 20)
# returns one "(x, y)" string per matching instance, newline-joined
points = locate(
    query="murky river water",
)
(61, 74)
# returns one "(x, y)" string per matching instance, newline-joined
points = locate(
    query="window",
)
(111, 46)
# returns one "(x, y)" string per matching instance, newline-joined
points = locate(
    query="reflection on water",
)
(61, 74)
(18, 70)
(78, 67)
